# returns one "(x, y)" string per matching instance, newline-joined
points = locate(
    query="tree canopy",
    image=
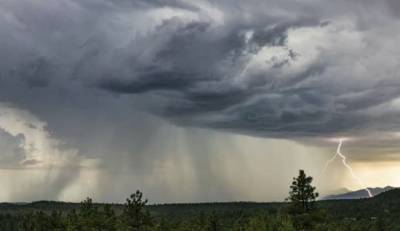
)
(302, 194)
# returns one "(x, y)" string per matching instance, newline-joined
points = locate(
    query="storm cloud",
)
(104, 78)
(292, 70)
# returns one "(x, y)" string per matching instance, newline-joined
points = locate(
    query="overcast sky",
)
(193, 100)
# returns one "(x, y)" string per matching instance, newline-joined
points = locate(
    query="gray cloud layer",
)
(269, 69)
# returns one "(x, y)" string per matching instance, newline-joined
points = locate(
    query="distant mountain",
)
(359, 194)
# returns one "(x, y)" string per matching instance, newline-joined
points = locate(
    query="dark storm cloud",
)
(264, 68)
(194, 66)
(279, 72)
(195, 58)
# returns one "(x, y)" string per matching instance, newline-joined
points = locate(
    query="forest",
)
(300, 211)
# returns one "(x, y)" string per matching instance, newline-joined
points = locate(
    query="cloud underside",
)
(260, 68)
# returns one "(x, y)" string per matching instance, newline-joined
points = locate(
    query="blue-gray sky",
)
(101, 97)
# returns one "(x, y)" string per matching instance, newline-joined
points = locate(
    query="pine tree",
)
(135, 214)
(302, 194)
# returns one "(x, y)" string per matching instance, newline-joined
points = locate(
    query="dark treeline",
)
(301, 212)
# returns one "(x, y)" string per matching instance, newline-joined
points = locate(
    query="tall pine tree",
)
(302, 194)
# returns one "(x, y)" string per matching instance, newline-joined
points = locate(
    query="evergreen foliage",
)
(302, 194)
(375, 214)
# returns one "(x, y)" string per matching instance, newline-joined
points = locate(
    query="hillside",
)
(341, 207)
(378, 213)
(359, 194)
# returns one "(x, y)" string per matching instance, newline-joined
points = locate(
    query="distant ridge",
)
(359, 194)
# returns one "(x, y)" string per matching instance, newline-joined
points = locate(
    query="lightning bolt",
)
(343, 157)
